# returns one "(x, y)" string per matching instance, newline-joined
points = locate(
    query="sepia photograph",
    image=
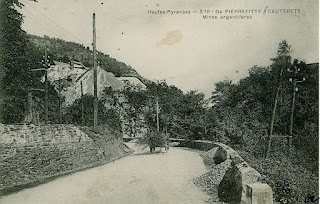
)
(159, 102)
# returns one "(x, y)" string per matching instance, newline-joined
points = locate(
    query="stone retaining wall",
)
(31, 154)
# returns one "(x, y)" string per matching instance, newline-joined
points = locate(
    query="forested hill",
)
(63, 51)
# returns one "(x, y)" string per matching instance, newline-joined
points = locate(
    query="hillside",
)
(63, 51)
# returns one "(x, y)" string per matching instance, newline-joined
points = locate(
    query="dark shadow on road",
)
(149, 153)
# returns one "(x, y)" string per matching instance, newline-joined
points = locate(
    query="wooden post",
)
(95, 85)
(46, 86)
(273, 115)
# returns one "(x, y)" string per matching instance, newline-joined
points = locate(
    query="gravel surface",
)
(209, 181)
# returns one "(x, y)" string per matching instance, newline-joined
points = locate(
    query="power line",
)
(44, 25)
(55, 23)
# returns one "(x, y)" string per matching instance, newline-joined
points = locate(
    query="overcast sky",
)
(185, 50)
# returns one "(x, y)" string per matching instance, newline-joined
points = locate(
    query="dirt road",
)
(142, 178)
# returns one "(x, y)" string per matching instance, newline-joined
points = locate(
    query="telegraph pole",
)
(95, 84)
(273, 114)
(60, 103)
(291, 116)
(82, 106)
(294, 82)
(46, 85)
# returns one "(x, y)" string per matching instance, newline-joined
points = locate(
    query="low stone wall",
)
(31, 154)
(194, 144)
(240, 183)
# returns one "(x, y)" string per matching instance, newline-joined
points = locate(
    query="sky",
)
(186, 50)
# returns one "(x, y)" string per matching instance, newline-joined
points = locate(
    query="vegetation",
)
(291, 181)
(180, 114)
(242, 111)
(17, 57)
(73, 113)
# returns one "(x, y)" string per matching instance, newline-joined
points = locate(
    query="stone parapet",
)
(241, 183)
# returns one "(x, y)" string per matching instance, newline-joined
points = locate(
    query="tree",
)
(242, 112)
(106, 116)
(17, 57)
(134, 106)
(223, 91)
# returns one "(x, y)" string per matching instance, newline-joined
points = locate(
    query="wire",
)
(55, 23)
(44, 25)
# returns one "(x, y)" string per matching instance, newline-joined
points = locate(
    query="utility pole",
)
(95, 84)
(82, 106)
(291, 117)
(60, 103)
(45, 65)
(46, 85)
(157, 107)
(273, 114)
(294, 82)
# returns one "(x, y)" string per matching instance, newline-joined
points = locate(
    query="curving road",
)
(142, 178)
